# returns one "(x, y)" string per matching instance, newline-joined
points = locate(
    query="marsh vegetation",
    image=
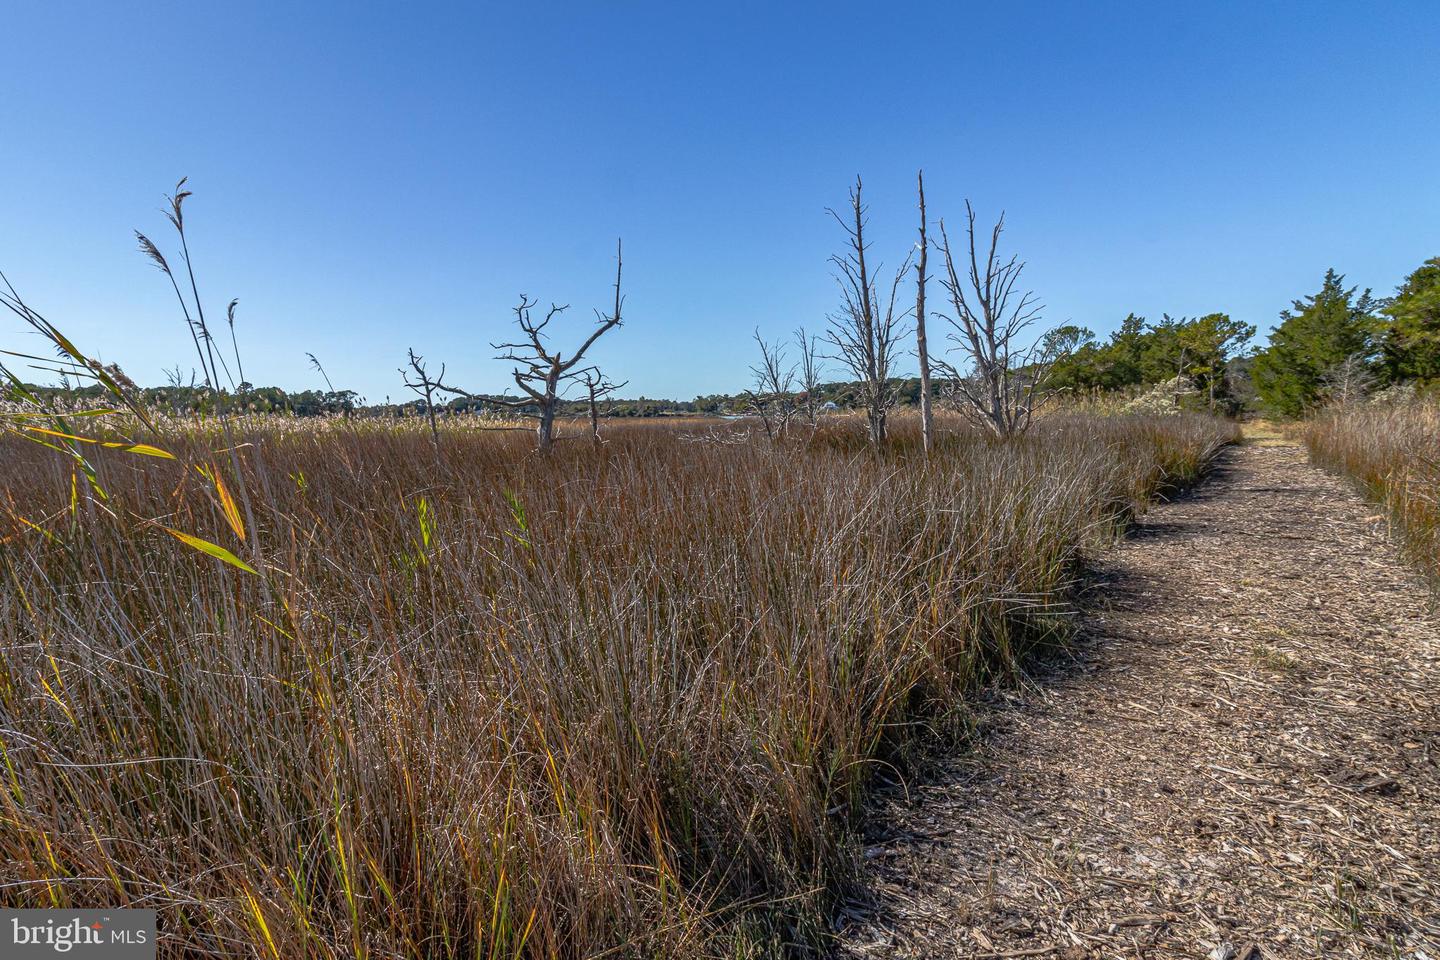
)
(479, 701)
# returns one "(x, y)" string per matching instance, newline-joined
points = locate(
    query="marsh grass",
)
(1393, 452)
(620, 700)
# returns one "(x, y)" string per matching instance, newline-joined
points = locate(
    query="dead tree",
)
(1005, 377)
(922, 348)
(597, 387)
(864, 335)
(178, 390)
(1349, 381)
(809, 372)
(417, 378)
(772, 399)
(543, 374)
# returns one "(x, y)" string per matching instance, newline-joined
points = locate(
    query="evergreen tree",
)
(1410, 341)
(1207, 344)
(1092, 365)
(1315, 337)
(1121, 364)
(1140, 354)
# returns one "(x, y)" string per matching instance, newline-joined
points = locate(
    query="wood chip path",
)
(1241, 759)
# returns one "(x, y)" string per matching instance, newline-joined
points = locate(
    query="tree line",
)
(1335, 345)
(1339, 343)
(1332, 346)
(991, 361)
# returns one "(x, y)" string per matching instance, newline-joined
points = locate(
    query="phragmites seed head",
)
(148, 248)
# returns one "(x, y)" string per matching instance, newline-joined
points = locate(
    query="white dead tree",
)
(992, 321)
(417, 378)
(541, 373)
(809, 373)
(865, 336)
(922, 348)
(597, 387)
(179, 391)
(1349, 381)
(772, 398)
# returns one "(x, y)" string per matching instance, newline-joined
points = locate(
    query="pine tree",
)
(1208, 344)
(1410, 343)
(1314, 338)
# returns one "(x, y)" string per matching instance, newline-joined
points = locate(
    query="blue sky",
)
(372, 177)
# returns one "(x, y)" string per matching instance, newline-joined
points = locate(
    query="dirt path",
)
(1244, 760)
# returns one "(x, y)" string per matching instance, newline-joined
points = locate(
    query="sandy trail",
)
(1242, 760)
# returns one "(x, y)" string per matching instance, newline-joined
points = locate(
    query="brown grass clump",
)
(615, 701)
(1393, 452)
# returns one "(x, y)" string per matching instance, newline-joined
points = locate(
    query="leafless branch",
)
(864, 335)
(772, 398)
(991, 316)
(417, 378)
(541, 373)
(597, 388)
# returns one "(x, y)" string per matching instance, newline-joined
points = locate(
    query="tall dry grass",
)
(616, 701)
(1393, 452)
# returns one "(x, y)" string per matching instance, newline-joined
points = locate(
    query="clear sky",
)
(370, 177)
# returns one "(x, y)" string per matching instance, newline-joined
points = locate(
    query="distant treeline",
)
(199, 399)
(320, 403)
(1333, 345)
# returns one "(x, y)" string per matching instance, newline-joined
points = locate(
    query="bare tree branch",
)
(417, 378)
(809, 371)
(1005, 381)
(543, 374)
(597, 388)
(772, 399)
(864, 335)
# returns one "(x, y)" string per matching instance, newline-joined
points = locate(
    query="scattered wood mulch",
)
(1241, 761)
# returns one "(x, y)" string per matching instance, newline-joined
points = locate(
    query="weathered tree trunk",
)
(545, 428)
(542, 373)
(425, 388)
(867, 319)
(927, 425)
(990, 318)
(865, 335)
